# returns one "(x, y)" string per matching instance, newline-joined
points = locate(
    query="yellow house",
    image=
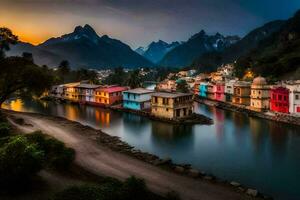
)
(171, 105)
(70, 92)
(241, 93)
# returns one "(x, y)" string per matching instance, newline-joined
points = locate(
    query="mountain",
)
(210, 61)
(84, 48)
(278, 55)
(198, 44)
(140, 50)
(156, 50)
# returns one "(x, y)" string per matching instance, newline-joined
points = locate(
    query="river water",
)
(255, 152)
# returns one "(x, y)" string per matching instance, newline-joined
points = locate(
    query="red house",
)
(219, 91)
(109, 95)
(279, 100)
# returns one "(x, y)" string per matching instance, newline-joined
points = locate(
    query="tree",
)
(63, 70)
(6, 39)
(134, 79)
(27, 56)
(182, 86)
(19, 74)
(19, 161)
(85, 74)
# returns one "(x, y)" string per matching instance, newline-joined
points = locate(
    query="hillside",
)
(210, 61)
(277, 55)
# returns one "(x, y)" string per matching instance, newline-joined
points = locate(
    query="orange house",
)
(109, 95)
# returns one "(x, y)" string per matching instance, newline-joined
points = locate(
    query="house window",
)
(279, 97)
(285, 98)
(297, 97)
(167, 109)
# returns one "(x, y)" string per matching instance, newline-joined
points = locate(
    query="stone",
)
(235, 184)
(193, 173)
(252, 192)
(208, 178)
(241, 189)
(166, 161)
(179, 169)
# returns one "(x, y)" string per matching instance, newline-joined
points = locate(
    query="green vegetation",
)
(56, 154)
(6, 39)
(19, 74)
(276, 56)
(133, 188)
(23, 156)
(20, 160)
(134, 79)
(4, 129)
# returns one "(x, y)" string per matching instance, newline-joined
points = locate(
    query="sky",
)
(139, 22)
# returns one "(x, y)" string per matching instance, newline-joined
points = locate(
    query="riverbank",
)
(106, 155)
(279, 117)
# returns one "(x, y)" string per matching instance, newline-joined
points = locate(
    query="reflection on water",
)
(15, 105)
(256, 152)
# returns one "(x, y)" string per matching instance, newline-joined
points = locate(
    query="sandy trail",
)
(105, 162)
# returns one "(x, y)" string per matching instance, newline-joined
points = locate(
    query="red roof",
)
(111, 89)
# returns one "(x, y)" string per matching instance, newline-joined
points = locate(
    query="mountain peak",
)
(86, 30)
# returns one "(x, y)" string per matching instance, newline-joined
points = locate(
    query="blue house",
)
(203, 90)
(137, 99)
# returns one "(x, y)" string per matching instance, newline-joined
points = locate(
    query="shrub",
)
(134, 188)
(19, 162)
(84, 192)
(172, 196)
(4, 129)
(57, 155)
(2, 117)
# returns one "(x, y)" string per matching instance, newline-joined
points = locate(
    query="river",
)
(255, 152)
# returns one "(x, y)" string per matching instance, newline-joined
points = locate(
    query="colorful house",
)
(241, 93)
(86, 92)
(203, 89)
(196, 88)
(294, 97)
(171, 105)
(166, 85)
(108, 95)
(260, 94)
(210, 94)
(70, 92)
(137, 99)
(229, 90)
(279, 99)
(219, 91)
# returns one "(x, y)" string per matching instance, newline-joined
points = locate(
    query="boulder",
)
(235, 184)
(252, 192)
(166, 161)
(208, 177)
(179, 169)
(193, 173)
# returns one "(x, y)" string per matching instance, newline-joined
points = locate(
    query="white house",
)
(229, 90)
(294, 97)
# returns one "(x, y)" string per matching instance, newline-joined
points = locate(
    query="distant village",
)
(250, 93)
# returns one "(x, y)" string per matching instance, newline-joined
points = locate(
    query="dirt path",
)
(105, 162)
